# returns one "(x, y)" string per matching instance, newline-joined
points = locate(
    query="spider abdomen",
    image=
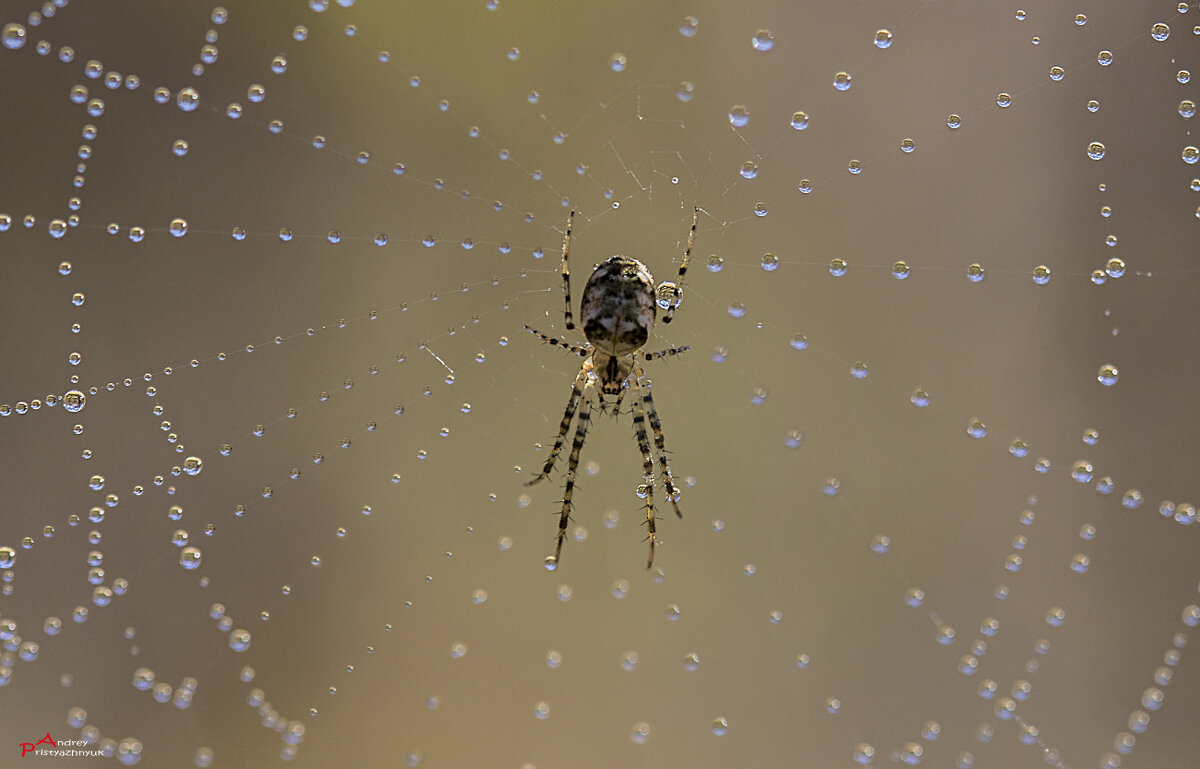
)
(618, 307)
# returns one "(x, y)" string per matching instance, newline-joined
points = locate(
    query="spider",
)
(618, 313)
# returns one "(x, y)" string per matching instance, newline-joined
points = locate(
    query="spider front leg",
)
(566, 272)
(687, 254)
(639, 426)
(568, 415)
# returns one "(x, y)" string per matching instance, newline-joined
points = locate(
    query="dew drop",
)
(189, 558)
(187, 99)
(763, 40)
(13, 36)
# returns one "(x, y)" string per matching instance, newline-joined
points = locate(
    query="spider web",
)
(917, 527)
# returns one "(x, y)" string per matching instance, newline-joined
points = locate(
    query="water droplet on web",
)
(13, 36)
(841, 81)
(1095, 151)
(187, 99)
(1160, 31)
(739, 116)
(763, 40)
(953, 121)
(689, 26)
(883, 39)
(1107, 375)
(189, 558)
(668, 294)
(617, 62)
(1057, 73)
(1041, 275)
(749, 169)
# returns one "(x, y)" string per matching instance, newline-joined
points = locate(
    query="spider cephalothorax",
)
(618, 312)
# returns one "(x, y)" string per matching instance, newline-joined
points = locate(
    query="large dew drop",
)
(13, 36)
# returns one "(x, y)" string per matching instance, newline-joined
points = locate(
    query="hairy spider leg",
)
(677, 297)
(581, 428)
(579, 350)
(566, 272)
(663, 353)
(643, 441)
(659, 441)
(572, 404)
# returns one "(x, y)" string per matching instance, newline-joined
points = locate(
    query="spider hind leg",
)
(660, 444)
(643, 441)
(581, 428)
(572, 404)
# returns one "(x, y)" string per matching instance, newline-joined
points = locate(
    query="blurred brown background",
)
(426, 632)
